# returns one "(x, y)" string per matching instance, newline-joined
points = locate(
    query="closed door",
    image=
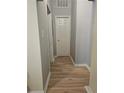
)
(63, 36)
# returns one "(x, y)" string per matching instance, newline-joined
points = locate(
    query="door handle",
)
(58, 40)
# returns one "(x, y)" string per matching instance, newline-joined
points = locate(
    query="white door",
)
(63, 36)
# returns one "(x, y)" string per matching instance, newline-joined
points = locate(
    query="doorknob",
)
(58, 40)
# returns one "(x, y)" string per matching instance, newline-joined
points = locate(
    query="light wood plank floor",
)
(66, 78)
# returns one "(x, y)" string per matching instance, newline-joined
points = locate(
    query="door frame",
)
(55, 31)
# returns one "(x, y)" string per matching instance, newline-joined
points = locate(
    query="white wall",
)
(34, 57)
(44, 38)
(93, 77)
(83, 31)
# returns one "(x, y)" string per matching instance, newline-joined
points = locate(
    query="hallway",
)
(60, 46)
(66, 78)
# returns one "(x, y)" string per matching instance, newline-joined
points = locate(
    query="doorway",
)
(63, 35)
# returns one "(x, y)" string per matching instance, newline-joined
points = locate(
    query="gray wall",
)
(44, 38)
(34, 67)
(73, 28)
(83, 31)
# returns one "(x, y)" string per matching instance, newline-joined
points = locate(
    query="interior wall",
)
(93, 78)
(83, 31)
(44, 38)
(51, 38)
(34, 67)
(73, 28)
(58, 12)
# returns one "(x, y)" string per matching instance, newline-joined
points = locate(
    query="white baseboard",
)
(53, 59)
(85, 65)
(47, 82)
(37, 91)
(88, 89)
(72, 60)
